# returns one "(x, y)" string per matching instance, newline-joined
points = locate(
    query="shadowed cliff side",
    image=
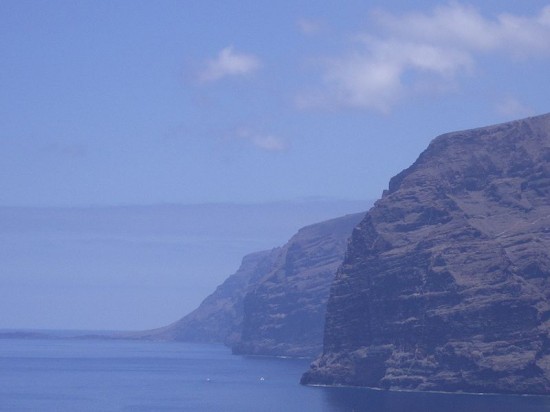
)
(445, 282)
(284, 313)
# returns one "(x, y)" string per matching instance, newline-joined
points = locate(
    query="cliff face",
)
(445, 282)
(284, 312)
(275, 303)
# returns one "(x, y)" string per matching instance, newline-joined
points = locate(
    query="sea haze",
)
(134, 267)
(80, 375)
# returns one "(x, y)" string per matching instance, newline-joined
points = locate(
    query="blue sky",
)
(233, 103)
(144, 102)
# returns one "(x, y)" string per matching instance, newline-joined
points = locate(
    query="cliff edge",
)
(445, 283)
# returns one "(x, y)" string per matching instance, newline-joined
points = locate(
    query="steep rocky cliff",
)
(284, 312)
(445, 282)
(275, 303)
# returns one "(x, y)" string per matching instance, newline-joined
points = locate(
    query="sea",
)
(70, 375)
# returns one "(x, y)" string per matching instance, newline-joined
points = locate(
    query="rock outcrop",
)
(445, 284)
(275, 303)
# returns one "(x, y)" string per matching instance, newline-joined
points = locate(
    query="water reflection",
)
(368, 400)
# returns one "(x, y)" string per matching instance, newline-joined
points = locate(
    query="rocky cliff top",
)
(445, 282)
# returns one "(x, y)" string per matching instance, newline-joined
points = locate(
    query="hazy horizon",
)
(134, 267)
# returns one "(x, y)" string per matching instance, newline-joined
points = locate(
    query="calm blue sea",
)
(86, 375)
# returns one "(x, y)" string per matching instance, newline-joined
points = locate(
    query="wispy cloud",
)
(408, 52)
(265, 142)
(510, 107)
(463, 27)
(309, 27)
(229, 63)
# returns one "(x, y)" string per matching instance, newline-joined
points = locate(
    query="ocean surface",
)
(99, 375)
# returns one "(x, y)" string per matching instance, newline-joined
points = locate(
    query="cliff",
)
(284, 312)
(275, 303)
(445, 281)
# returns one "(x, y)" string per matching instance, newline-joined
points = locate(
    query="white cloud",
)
(266, 142)
(229, 63)
(463, 27)
(374, 79)
(424, 51)
(364, 82)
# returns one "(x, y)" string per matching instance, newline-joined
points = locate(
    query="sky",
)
(133, 267)
(135, 103)
(147, 102)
